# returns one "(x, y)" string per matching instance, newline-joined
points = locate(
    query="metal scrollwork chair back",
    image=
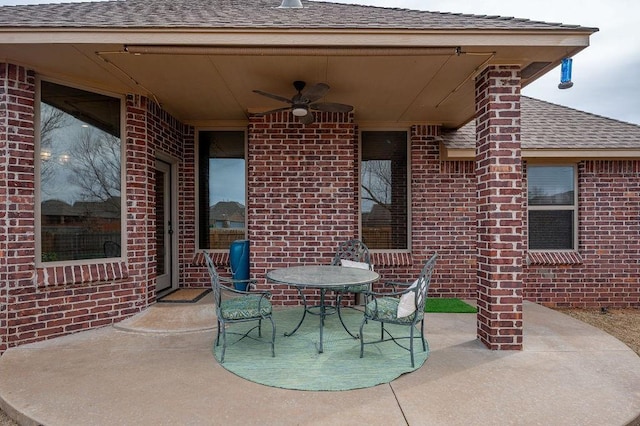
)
(352, 253)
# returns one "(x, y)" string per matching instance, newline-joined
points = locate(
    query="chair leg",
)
(260, 328)
(411, 346)
(424, 346)
(224, 343)
(361, 335)
(273, 337)
(218, 333)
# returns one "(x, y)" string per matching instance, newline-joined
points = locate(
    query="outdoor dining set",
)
(351, 271)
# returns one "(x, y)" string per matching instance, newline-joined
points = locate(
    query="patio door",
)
(165, 240)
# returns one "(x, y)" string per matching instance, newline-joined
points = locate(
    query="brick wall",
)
(45, 302)
(452, 218)
(443, 216)
(605, 270)
(302, 196)
(175, 140)
(294, 220)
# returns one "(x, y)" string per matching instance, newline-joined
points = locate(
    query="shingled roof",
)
(545, 125)
(251, 14)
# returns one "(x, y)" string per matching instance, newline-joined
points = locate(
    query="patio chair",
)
(235, 306)
(352, 254)
(404, 307)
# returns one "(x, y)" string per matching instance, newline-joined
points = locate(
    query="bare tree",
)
(51, 120)
(95, 166)
(376, 182)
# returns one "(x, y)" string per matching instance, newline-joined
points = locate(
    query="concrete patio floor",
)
(157, 369)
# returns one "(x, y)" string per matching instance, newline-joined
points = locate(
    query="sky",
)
(605, 74)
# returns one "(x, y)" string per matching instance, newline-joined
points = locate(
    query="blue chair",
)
(239, 306)
(404, 307)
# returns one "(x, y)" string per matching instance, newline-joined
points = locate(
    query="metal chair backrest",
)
(424, 280)
(354, 250)
(215, 279)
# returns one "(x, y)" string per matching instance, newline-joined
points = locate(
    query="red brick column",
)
(17, 88)
(140, 198)
(499, 207)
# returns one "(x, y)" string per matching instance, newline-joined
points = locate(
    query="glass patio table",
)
(322, 277)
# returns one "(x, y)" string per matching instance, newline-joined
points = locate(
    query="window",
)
(552, 207)
(384, 190)
(222, 190)
(80, 178)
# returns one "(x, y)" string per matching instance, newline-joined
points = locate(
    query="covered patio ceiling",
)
(391, 78)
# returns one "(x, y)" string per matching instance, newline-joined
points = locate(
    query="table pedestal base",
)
(322, 310)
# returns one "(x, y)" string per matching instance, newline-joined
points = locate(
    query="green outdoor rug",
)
(298, 365)
(448, 305)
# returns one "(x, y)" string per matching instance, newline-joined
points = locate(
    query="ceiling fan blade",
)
(261, 114)
(307, 119)
(315, 92)
(272, 96)
(331, 107)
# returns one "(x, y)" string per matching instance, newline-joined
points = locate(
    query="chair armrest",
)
(396, 284)
(391, 293)
(251, 282)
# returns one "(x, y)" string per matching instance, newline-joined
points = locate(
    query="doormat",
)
(185, 295)
(448, 305)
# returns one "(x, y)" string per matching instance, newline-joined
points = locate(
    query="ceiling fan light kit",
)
(299, 111)
(305, 100)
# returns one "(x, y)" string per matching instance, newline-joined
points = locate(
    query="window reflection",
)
(222, 186)
(550, 185)
(383, 180)
(552, 207)
(80, 179)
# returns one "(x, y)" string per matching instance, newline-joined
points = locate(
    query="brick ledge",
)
(391, 259)
(81, 274)
(554, 258)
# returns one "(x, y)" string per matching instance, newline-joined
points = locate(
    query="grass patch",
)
(448, 305)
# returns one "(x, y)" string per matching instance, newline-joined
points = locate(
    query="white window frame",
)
(573, 208)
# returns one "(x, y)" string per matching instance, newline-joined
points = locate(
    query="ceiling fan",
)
(303, 102)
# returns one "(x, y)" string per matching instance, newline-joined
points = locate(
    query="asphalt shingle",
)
(251, 14)
(545, 125)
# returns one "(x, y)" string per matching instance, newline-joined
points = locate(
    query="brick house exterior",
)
(303, 197)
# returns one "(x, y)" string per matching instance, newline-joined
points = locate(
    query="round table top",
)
(322, 276)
